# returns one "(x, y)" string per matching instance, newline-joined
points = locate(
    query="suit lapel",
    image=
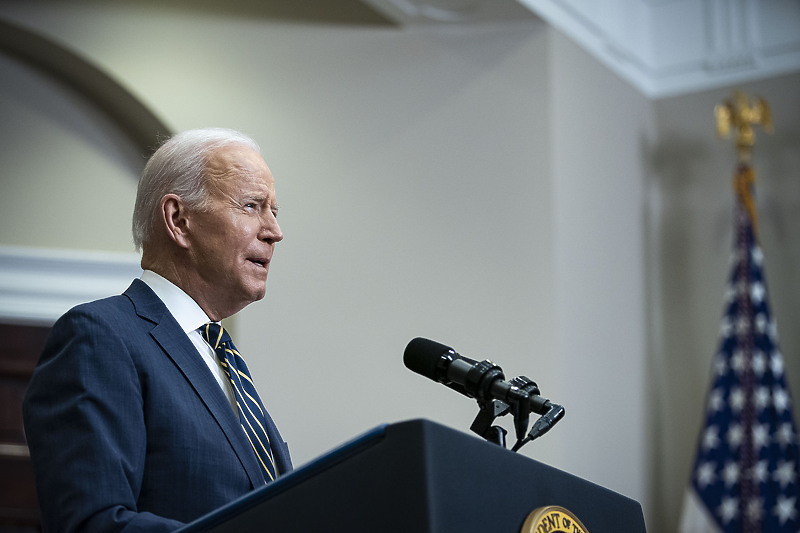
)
(177, 346)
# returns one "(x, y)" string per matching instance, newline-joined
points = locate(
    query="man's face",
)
(233, 239)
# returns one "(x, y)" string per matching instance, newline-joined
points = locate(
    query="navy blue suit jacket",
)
(128, 429)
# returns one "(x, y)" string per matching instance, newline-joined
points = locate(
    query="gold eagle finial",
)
(742, 114)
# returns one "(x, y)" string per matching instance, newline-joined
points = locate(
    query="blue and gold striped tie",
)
(251, 416)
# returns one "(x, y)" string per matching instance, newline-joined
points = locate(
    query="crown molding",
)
(451, 12)
(666, 48)
(663, 48)
(39, 285)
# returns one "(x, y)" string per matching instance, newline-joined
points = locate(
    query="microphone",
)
(482, 380)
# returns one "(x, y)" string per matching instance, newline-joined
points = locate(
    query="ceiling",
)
(663, 48)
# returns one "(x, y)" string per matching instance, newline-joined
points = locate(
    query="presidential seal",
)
(552, 519)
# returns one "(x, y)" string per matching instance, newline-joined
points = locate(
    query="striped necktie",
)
(251, 416)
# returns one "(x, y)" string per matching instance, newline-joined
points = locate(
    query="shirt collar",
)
(185, 310)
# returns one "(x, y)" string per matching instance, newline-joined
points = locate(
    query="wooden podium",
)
(419, 477)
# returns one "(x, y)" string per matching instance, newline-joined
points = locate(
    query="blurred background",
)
(535, 182)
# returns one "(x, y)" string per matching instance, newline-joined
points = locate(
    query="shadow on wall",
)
(340, 12)
(131, 116)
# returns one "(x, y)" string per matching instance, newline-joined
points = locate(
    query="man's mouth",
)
(260, 262)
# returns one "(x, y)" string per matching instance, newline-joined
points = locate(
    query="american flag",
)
(745, 476)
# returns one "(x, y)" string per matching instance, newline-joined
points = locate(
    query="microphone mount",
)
(519, 396)
(484, 381)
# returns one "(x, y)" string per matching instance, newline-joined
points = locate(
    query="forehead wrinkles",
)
(231, 161)
(236, 167)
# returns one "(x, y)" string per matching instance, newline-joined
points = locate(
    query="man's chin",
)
(258, 291)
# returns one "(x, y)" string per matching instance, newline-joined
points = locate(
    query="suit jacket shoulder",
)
(126, 425)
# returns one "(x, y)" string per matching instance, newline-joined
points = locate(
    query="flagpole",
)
(743, 114)
(746, 475)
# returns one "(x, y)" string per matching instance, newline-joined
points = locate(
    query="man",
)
(132, 419)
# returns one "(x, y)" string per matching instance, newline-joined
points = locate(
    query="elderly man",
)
(141, 414)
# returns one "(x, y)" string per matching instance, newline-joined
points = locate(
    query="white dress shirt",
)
(190, 317)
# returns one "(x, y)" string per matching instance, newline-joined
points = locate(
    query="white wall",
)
(418, 207)
(598, 124)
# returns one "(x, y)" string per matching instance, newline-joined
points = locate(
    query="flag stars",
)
(759, 364)
(725, 328)
(785, 435)
(730, 474)
(762, 323)
(785, 509)
(737, 399)
(785, 474)
(762, 398)
(757, 292)
(739, 361)
(760, 471)
(773, 332)
(705, 475)
(757, 255)
(721, 364)
(716, 401)
(735, 436)
(711, 438)
(728, 509)
(776, 364)
(760, 436)
(780, 399)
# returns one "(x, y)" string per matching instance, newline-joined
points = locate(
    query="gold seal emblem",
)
(552, 519)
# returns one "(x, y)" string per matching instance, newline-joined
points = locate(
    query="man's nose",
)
(271, 230)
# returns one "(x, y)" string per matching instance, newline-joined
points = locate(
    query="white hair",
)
(179, 167)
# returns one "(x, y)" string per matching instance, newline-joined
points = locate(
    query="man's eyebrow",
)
(254, 197)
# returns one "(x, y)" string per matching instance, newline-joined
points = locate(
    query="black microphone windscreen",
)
(422, 356)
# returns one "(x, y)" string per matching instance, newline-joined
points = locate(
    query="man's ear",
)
(175, 217)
